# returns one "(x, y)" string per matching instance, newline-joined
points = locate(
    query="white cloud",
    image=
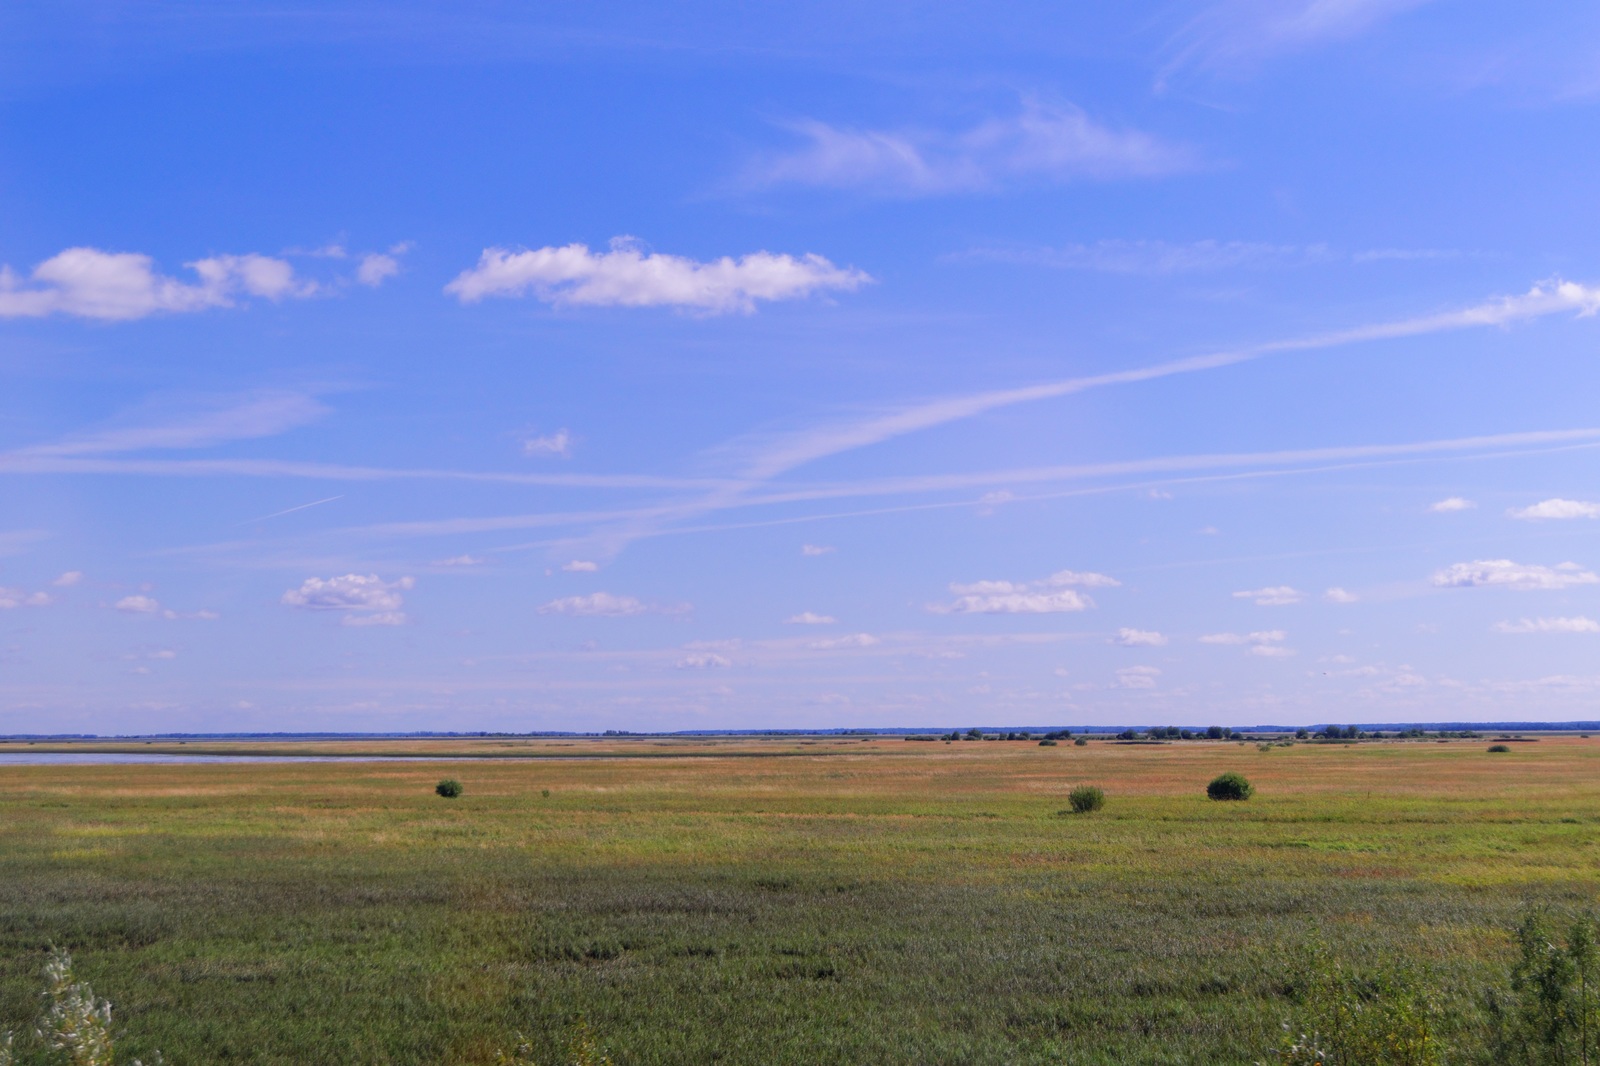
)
(813, 550)
(580, 566)
(1082, 578)
(1051, 595)
(991, 500)
(1012, 602)
(596, 604)
(1450, 504)
(137, 605)
(1138, 676)
(375, 267)
(1557, 508)
(854, 640)
(1041, 142)
(1138, 638)
(1504, 573)
(1580, 624)
(1339, 595)
(807, 618)
(371, 600)
(463, 560)
(557, 445)
(1272, 651)
(1273, 596)
(1260, 638)
(703, 662)
(627, 276)
(119, 286)
(10, 599)
(68, 579)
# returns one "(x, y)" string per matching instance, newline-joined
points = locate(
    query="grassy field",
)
(791, 901)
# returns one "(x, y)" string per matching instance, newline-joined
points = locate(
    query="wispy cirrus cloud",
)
(121, 286)
(265, 413)
(1139, 638)
(1159, 258)
(1557, 509)
(1503, 573)
(629, 276)
(1451, 504)
(1234, 36)
(1042, 141)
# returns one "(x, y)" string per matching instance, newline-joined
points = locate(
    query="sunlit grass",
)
(875, 901)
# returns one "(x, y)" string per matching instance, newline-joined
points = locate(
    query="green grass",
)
(875, 902)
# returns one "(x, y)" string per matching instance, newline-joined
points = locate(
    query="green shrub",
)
(1499, 747)
(1086, 798)
(1230, 786)
(449, 788)
(1047, 743)
(1081, 742)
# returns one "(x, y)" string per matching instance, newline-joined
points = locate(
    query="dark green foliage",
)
(1230, 786)
(449, 788)
(1086, 799)
(1499, 747)
(1081, 742)
(1128, 734)
(1047, 743)
(1552, 1015)
(1302, 733)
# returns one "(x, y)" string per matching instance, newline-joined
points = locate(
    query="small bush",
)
(449, 788)
(1086, 798)
(1047, 743)
(1230, 786)
(1080, 743)
(1499, 747)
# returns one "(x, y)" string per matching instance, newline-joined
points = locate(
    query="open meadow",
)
(774, 901)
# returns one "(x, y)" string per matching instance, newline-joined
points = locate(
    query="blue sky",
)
(491, 366)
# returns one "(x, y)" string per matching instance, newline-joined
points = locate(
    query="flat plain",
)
(772, 900)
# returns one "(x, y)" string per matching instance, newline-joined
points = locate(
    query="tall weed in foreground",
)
(584, 1050)
(1552, 1015)
(75, 1029)
(1381, 1018)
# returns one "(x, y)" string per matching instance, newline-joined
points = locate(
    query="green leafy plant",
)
(75, 1029)
(1552, 1015)
(1499, 747)
(449, 788)
(1085, 799)
(1081, 742)
(1381, 1017)
(1230, 786)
